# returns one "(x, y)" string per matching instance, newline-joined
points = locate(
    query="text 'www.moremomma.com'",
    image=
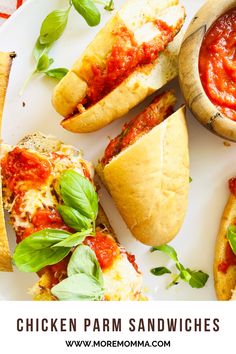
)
(117, 344)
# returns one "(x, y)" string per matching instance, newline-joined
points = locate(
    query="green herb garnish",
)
(85, 279)
(196, 279)
(53, 28)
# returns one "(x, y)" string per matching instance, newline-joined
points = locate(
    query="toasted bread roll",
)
(149, 181)
(225, 282)
(5, 257)
(137, 22)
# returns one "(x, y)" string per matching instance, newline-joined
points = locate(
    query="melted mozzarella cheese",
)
(122, 282)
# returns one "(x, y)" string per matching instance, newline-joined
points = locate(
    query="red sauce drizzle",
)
(20, 165)
(125, 57)
(217, 64)
(105, 248)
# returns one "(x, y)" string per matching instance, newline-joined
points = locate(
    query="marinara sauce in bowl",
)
(207, 67)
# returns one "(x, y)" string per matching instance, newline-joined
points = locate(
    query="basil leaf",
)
(160, 271)
(43, 63)
(78, 193)
(198, 279)
(190, 179)
(170, 251)
(231, 236)
(84, 260)
(57, 73)
(110, 6)
(74, 239)
(40, 49)
(88, 10)
(73, 218)
(36, 252)
(78, 287)
(53, 26)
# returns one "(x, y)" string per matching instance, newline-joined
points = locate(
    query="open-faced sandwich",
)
(130, 58)
(146, 170)
(62, 233)
(5, 66)
(225, 251)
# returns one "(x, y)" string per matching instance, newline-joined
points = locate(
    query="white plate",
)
(212, 163)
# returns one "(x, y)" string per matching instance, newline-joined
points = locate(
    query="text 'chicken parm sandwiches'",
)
(130, 58)
(146, 170)
(62, 233)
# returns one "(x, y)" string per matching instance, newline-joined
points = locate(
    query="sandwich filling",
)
(128, 54)
(160, 109)
(31, 196)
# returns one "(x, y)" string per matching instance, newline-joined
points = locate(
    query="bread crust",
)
(5, 256)
(152, 193)
(141, 83)
(224, 282)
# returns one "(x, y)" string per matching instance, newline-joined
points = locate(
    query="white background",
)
(212, 163)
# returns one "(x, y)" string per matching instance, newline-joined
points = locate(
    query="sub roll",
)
(130, 58)
(146, 170)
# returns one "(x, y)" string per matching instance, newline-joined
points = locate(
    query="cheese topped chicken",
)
(30, 176)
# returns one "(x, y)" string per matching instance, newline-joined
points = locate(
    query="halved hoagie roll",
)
(225, 259)
(5, 67)
(129, 59)
(146, 170)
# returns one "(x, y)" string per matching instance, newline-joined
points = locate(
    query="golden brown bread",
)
(145, 80)
(225, 282)
(5, 256)
(149, 181)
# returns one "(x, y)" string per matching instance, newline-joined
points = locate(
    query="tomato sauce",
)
(217, 64)
(125, 57)
(20, 165)
(138, 126)
(47, 218)
(105, 248)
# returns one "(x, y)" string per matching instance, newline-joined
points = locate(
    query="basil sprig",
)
(85, 279)
(196, 279)
(231, 236)
(52, 29)
(37, 251)
(78, 193)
